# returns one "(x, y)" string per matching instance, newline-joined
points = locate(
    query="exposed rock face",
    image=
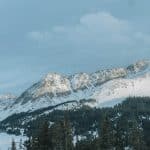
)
(52, 83)
(98, 89)
(80, 81)
(57, 85)
(100, 77)
(138, 66)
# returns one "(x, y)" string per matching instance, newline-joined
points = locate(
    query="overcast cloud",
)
(37, 37)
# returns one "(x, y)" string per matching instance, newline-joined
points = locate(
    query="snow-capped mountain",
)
(6, 100)
(98, 89)
(54, 85)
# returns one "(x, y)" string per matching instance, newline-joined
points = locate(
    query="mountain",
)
(86, 122)
(98, 89)
(6, 100)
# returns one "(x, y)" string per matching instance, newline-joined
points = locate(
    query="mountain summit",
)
(98, 89)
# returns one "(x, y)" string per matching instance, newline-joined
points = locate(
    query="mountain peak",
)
(55, 85)
(51, 76)
(52, 84)
(101, 87)
(139, 66)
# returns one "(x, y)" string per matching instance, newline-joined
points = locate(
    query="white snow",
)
(6, 140)
(109, 93)
(119, 89)
(51, 83)
(80, 80)
(6, 100)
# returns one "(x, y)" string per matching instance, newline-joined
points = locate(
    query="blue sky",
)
(37, 37)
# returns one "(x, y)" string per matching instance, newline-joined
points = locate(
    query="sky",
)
(69, 36)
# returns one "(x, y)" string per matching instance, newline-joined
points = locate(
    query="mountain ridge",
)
(94, 89)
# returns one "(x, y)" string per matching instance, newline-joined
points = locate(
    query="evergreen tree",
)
(44, 138)
(67, 135)
(40, 141)
(13, 145)
(106, 135)
(20, 145)
(28, 144)
(119, 135)
(57, 136)
(136, 137)
(62, 135)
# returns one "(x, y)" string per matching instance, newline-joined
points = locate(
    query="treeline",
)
(60, 136)
(124, 127)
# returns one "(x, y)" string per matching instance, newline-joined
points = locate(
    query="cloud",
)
(103, 21)
(97, 30)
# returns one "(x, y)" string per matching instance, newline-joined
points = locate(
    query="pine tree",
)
(20, 145)
(106, 135)
(136, 137)
(67, 135)
(119, 136)
(13, 145)
(28, 144)
(41, 140)
(62, 135)
(57, 136)
(44, 139)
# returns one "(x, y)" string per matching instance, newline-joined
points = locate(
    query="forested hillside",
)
(127, 125)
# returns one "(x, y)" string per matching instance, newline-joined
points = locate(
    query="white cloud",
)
(104, 22)
(97, 29)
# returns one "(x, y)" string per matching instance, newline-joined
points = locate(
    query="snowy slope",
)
(6, 100)
(122, 88)
(6, 140)
(55, 85)
(102, 88)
